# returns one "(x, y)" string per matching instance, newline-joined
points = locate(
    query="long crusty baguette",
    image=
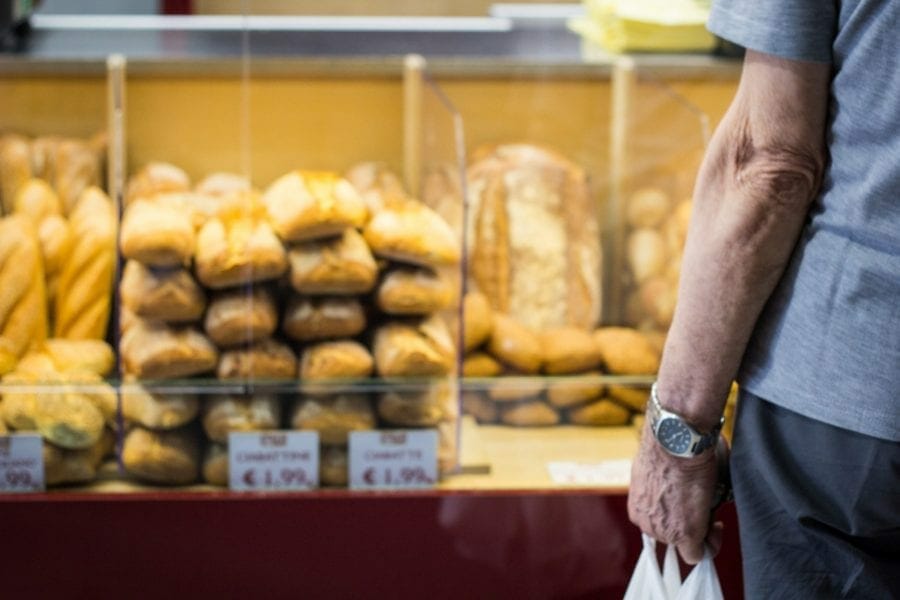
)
(23, 304)
(86, 279)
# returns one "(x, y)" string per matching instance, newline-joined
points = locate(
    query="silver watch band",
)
(675, 434)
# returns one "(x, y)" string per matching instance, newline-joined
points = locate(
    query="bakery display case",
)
(482, 248)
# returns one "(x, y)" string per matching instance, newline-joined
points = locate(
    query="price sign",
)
(393, 459)
(274, 461)
(21, 463)
(606, 473)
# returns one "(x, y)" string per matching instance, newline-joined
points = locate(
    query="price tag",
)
(606, 473)
(274, 461)
(21, 463)
(393, 459)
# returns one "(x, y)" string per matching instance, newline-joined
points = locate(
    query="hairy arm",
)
(760, 174)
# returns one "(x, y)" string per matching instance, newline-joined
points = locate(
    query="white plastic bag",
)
(648, 583)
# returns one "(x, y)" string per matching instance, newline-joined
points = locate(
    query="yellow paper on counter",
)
(646, 25)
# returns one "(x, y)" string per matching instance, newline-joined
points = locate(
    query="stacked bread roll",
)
(657, 228)
(57, 390)
(314, 280)
(521, 377)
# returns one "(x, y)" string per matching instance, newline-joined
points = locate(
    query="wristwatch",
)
(674, 434)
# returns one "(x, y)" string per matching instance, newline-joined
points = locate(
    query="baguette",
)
(15, 169)
(23, 305)
(86, 279)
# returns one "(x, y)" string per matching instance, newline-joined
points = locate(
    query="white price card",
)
(394, 459)
(21, 463)
(606, 473)
(273, 461)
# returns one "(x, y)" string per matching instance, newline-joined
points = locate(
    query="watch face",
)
(674, 436)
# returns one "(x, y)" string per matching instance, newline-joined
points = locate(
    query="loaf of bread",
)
(305, 205)
(603, 413)
(223, 184)
(225, 414)
(481, 364)
(572, 391)
(15, 168)
(334, 466)
(419, 408)
(77, 166)
(414, 291)
(481, 407)
(68, 419)
(626, 351)
(334, 417)
(215, 465)
(340, 264)
(23, 304)
(169, 294)
(410, 232)
(157, 409)
(91, 356)
(568, 350)
(532, 413)
(647, 207)
(344, 359)
(515, 345)
(377, 185)
(535, 237)
(513, 387)
(151, 350)
(65, 466)
(647, 254)
(240, 316)
(156, 178)
(163, 457)
(309, 319)
(422, 348)
(37, 200)
(478, 320)
(157, 234)
(238, 246)
(268, 359)
(634, 398)
(86, 279)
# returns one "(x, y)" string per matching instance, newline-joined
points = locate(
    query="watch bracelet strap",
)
(707, 440)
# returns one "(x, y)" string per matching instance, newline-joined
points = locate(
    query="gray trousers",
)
(818, 507)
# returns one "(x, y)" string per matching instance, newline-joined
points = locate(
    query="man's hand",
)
(671, 498)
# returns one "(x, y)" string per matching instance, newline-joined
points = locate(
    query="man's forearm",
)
(752, 197)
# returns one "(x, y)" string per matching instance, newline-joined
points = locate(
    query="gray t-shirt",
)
(828, 342)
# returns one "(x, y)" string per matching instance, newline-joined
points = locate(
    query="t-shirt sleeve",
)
(793, 29)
